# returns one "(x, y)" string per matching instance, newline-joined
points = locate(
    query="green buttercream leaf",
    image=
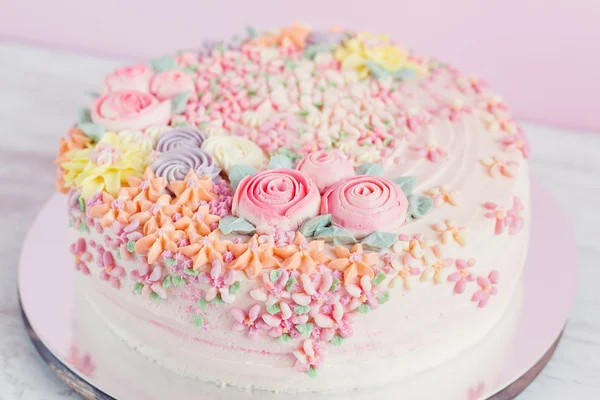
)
(178, 281)
(305, 329)
(334, 285)
(370, 169)
(217, 300)
(337, 340)
(312, 225)
(189, 271)
(376, 70)
(137, 288)
(235, 287)
(290, 64)
(84, 115)
(363, 308)
(83, 227)
(289, 154)
(239, 172)
(290, 283)
(118, 253)
(190, 69)
(274, 275)
(335, 235)
(279, 161)
(406, 184)
(154, 296)
(285, 338)
(203, 304)
(131, 246)
(418, 207)
(403, 74)
(93, 131)
(179, 102)
(169, 262)
(380, 277)
(311, 51)
(383, 297)
(239, 226)
(273, 309)
(379, 240)
(312, 372)
(302, 113)
(163, 64)
(198, 321)
(301, 309)
(251, 32)
(167, 282)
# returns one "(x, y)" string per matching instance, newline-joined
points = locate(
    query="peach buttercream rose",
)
(130, 109)
(326, 168)
(363, 204)
(277, 197)
(169, 84)
(133, 77)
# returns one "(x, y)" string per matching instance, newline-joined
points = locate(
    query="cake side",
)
(323, 200)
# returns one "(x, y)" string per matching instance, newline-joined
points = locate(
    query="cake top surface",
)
(322, 156)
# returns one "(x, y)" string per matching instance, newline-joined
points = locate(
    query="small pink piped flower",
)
(462, 276)
(337, 322)
(487, 288)
(111, 272)
(362, 293)
(150, 277)
(82, 256)
(497, 167)
(430, 151)
(250, 322)
(219, 281)
(517, 142)
(510, 218)
(308, 356)
(455, 110)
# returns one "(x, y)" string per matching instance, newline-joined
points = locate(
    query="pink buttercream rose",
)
(276, 197)
(130, 109)
(326, 168)
(133, 77)
(169, 84)
(363, 204)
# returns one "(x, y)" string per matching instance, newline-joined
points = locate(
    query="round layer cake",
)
(295, 211)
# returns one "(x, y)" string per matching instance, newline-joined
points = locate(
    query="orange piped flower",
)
(196, 224)
(205, 250)
(159, 235)
(293, 36)
(76, 139)
(147, 188)
(148, 209)
(302, 255)
(113, 209)
(354, 262)
(193, 190)
(252, 258)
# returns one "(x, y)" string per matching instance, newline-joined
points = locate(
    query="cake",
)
(294, 212)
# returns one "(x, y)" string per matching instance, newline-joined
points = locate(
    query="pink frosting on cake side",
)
(326, 168)
(363, 204)
(277, 197)
(130, 109)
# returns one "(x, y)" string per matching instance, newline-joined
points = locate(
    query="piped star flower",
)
(252, 257)
(451, 231)
(148, 209)
(147, 188)
(354, 262)
(205, 251)
(113, 209)
(487, 288)
(159, 235)
(497, 167)
(192, 191)
(196, 224)
(302, 255)
(294, 36)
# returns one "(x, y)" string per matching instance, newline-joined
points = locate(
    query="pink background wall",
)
(543, 56)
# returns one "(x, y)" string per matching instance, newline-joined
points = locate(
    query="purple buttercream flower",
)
(175, 164)
(183, 136)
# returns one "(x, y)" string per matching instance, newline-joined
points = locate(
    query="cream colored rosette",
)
(230, 150)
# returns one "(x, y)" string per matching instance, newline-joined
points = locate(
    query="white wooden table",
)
(40, 92)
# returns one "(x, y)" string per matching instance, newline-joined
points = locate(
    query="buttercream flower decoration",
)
(364, 204)
(132, 77)
(443, 194)
(451, 231)
(150, 277)
(302, 255)
(230, 150)
(354, 262)
(252, 257)
(205, 250)
(159, 235)
(294, 36)
(148, 187)
(76, 139)
(181, 136)
(113, 209)
(170, 83)
(326, 168)
(197, 223)
(251, 322)
(104, 167)
(129, 109)
(219, 282)
(192, 190)
(145, 138)
(487, 288)
(277, 197)
(358, 51)
(177, 163)
(362, 293)
(150, 209)
(308, 357)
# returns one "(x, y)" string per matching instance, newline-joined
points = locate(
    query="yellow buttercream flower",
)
(105, 166)
(356, 51)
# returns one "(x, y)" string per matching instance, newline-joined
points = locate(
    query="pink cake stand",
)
(46, 290)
